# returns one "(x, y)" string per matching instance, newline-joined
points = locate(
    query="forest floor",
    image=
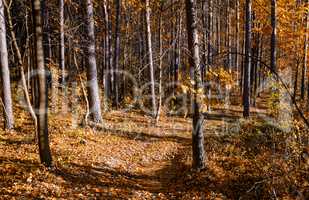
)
(133, 159)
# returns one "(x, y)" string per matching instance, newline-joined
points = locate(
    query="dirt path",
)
(132, 159)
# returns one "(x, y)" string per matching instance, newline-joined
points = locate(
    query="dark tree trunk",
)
(42, 113)
(218, 27)
(194, 60)
(247, 64)
(205, 33)
(5, 73)
(92, 78)
(46, 30)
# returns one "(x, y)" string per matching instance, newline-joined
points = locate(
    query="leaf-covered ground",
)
(132, 159)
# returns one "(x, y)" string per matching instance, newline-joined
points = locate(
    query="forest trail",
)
(133, 159)
(157, 179)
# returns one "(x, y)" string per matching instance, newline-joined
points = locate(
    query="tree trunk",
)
(237, 55)
(21, 67)
(194, 60)
(247, 64)
(150, 57)
(117, 54)
(5, 73)
(218, 26)
(61, 47)
(205, 34)
(209, 31)
(228, 32)
(306, 51)
(46, 31)
(296, 81)
(92, 78)
(42, 114)
(160, 64)
(107, 73)
(273, 45)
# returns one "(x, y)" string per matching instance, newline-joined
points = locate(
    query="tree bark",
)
(229, 41)
(237, 62)
(247, 64)
(306, 51)
(92, 77)
(209, 32)
(46, 31)
(42, 114)
(194, 60)
(21, 68)
(107, 73)
(5, 73)
(150, 57)
(117, 54)
(273, 45)
(160, 64)
(61, 47)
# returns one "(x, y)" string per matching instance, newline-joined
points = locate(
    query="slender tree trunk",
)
(117, 53)
(243, 51)
(259, 64)
(237, 42)
(256, 68)
(42, 114)
(205, 34)
(296, 81)
(107, 73)
(210, 31)
(160, 64)
(247, 65)
(273, 54)
(273, 45)
(46, 35)
(218, 24)
(194, 60)
(61, 47)
(306, 51)
(229, 32)
(92, 77)
(110, 49)
(5, 73)
(177, 48)
(21, 67)
(150, 57)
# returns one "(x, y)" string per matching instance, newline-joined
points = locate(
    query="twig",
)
(256, 184)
